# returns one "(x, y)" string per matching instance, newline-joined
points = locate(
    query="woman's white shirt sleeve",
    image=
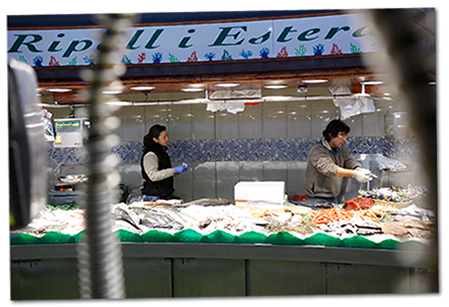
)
(150, 164)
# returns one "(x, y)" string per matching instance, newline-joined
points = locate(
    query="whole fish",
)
(121, 213)
(159, 217)
(206, 202)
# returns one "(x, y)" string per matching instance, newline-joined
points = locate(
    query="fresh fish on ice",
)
(207, 202)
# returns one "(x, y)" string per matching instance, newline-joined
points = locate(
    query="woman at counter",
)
(329, 161)
(155, 163)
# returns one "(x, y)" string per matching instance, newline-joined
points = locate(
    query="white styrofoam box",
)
(268, 191)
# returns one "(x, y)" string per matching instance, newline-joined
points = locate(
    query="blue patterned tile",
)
(128, 152)
(56, 155)
(180, 150)
(292, 149)
(204, 150)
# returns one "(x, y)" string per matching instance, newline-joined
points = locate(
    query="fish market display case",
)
(187, 262)
(175, 269)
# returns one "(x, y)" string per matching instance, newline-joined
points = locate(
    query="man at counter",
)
(157, 171)
(329, 161)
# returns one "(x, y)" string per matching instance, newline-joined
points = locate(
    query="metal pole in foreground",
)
(99, 254)
(414, 65)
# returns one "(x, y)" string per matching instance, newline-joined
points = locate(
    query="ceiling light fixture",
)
(59, 90)
(372, 82)
(315, 81)
(142, 88)
(275, 86)
(112, 92)
(227, 84)
(119, 103)
(194, 89)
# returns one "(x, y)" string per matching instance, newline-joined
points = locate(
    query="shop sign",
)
(233, 41)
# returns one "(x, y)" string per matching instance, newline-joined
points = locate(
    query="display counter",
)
(210, 248)
(175, 269)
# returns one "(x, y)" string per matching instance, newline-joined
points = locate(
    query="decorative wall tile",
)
(202, 150)
(182, 150)
(128, 152)
(69, 156)
(283, 149)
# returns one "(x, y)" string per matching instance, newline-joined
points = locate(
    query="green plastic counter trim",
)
(218, 236)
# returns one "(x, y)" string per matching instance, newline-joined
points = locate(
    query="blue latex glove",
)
(178, 169)
(181, 168)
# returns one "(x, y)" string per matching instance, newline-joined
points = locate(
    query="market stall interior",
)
(246, 127)
(241, 129)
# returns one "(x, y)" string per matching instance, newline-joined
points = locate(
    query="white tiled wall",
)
(299, 119)
(266, 120)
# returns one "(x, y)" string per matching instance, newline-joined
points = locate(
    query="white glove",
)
(362, 175)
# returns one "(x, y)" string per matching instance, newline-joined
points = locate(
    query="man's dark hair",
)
(334, 127)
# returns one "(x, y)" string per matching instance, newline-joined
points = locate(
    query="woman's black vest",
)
(163, 188)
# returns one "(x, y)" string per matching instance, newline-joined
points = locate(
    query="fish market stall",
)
(255, 248)
(247, 111)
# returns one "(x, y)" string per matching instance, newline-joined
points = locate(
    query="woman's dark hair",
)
(154, 132)
(334, 127)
